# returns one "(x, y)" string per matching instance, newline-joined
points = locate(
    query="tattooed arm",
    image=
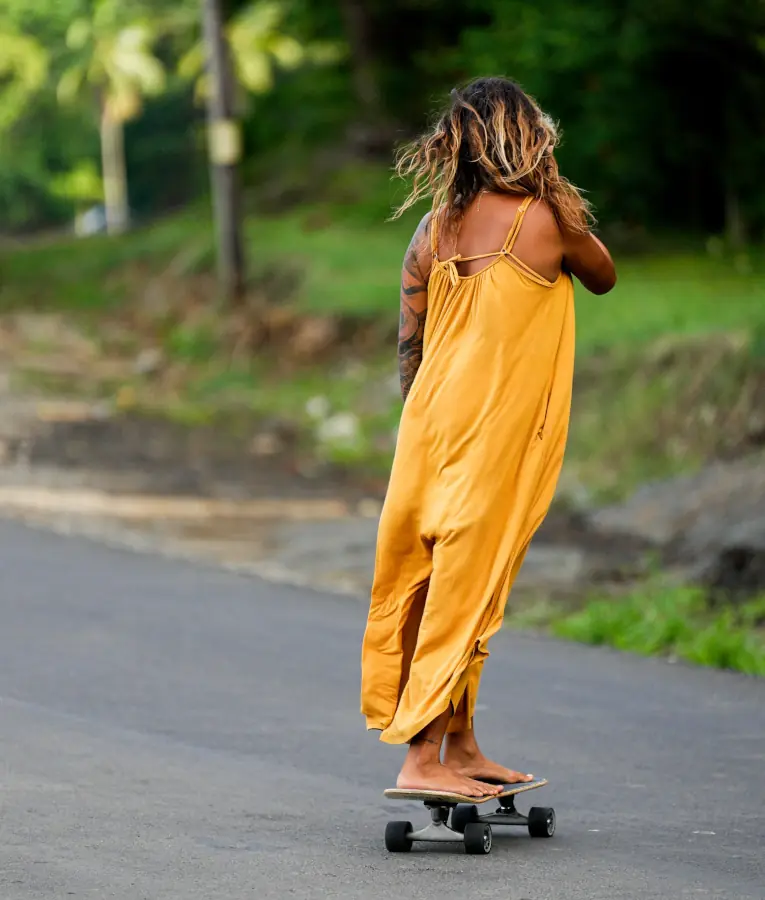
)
(414, 305)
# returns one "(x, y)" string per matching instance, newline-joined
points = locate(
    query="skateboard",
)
(469, 826)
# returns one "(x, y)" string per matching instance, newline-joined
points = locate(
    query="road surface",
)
(174, 731)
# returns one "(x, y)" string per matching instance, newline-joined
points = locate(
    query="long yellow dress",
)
(479, 452)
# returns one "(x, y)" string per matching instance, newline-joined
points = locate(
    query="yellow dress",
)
(479, 452)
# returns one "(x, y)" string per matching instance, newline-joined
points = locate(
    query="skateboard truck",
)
(476, 836)
(540, 820)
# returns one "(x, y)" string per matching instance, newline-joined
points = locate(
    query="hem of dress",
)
(392, 735)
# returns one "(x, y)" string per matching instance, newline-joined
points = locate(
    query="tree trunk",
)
(225, 151)
(735, 226)
(373, 132)
(359, 30)
(114, 174)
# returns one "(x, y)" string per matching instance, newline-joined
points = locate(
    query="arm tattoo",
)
(414, 300)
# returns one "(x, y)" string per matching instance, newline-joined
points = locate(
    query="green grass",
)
(349, 269)
(77, 274)
(630, 412)
(349, 263)
(671, 295)
(673, 621)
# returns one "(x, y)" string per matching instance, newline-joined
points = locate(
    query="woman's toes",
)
(490, 788)
(478, 789)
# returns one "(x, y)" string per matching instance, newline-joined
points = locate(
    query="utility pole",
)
(224, 141)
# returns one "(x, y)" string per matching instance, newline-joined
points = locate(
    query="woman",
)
(486, 353)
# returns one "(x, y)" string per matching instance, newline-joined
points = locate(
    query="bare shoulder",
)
(540, 242)
(418, 254)
(422, 234)
(539, 214)
(542, 218)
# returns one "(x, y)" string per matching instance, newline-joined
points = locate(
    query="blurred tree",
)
(34, 136)
(23, 72)
(660, 102)
(114, 67)
(359, 26)
(259, 45)
(238, 56)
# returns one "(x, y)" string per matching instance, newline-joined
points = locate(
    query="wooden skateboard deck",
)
(436, 796)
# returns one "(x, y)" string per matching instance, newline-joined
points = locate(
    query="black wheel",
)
(542, 821)
(397, 838)
(477, 838)
(463, 815)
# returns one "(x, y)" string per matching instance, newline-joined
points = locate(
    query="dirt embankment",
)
(141, 478)
(703, 402)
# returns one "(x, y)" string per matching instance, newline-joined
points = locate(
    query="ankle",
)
(423, 753)
(461, 744)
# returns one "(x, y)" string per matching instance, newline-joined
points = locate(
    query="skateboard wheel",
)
(397, 838)
(463, 815)
(541, 821)
(477, 838)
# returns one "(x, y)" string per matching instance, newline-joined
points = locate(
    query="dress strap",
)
(517, 222)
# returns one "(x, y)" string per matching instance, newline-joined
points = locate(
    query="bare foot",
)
(463, 756)
(480, 767)
(432, 776)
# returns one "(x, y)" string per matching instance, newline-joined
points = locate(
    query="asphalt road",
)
(173, 731)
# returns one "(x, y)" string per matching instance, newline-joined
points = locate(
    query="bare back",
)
(502, 229)
(484, 230)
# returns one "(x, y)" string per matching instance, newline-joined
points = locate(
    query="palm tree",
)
(115, 66)
(23, 72)
(258, 45)
(236, 57)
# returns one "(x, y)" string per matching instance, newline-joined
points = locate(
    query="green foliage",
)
(350, 259)
(191, 343)
(259, 46)
(660, 109)
(90, 274)
(112, 57)
(113, 60)
(23, 71)
(81, 185)
(667, 620)
(656, 102)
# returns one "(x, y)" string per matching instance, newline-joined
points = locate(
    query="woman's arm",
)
(586, 256)
(414, 305)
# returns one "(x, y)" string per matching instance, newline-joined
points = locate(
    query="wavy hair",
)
(492, 137)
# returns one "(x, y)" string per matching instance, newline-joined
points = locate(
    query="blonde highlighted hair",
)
(493, 137)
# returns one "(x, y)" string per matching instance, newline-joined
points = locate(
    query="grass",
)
(348, 268)
(76, 275)
(673, 621)
(349, 263)
(680, 295)
(630, 416)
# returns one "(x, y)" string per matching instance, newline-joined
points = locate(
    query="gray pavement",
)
(169, 730)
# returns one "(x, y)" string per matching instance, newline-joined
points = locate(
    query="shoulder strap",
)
(517, 222)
